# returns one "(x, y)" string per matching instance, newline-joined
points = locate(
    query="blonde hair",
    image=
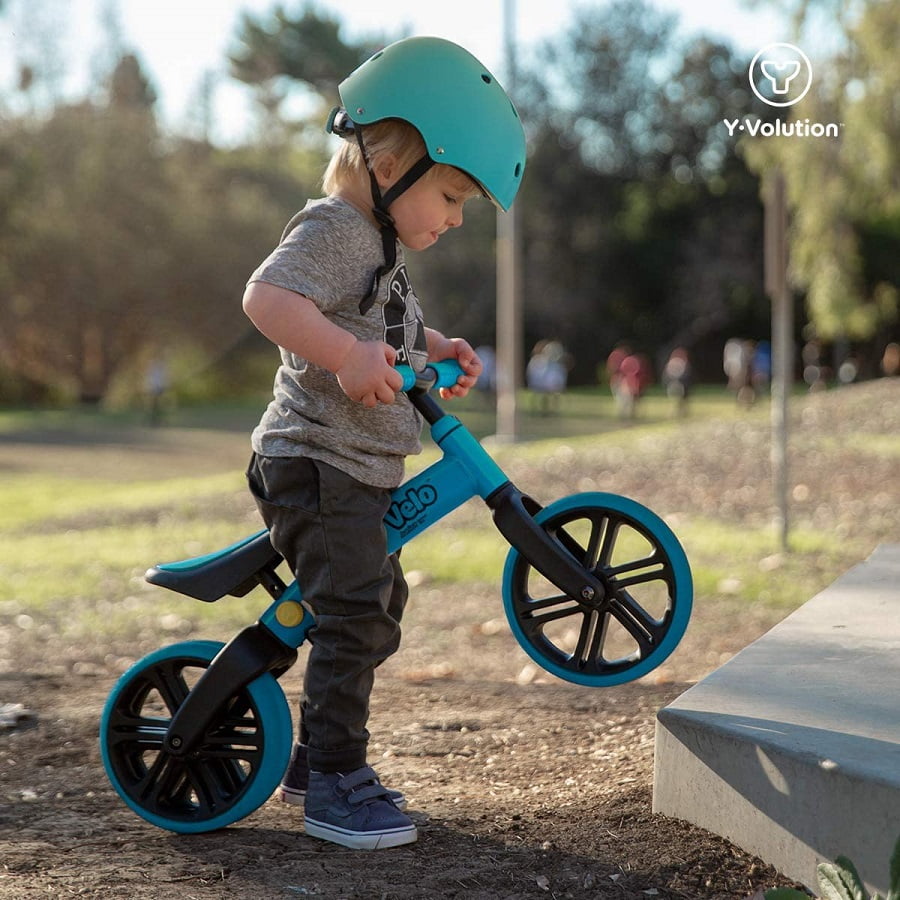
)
(389, 137)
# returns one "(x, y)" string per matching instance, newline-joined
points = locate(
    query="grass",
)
(74, 545)
(42, 499)
(730, 564)
(738, 563)
(591, 412)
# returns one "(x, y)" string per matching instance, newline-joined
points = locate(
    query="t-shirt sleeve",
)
(317, 257)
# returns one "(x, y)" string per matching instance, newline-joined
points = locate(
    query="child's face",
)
(434, 203)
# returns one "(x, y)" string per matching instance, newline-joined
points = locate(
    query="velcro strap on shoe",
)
(366, 794)
(362, 786)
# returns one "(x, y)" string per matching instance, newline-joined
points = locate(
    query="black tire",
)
(648, 593)
(232, 773)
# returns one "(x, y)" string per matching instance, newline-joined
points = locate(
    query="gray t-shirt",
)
(329, 252)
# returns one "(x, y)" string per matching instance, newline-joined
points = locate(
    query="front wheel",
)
(233, 771)
(601, 641)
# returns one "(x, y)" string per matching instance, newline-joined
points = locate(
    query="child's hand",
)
(469, 362)
(367, 374)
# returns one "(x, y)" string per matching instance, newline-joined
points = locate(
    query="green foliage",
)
(640, 227)
(638, 220)
(840, 881)
(277, 50)
(843, 193)
(119, 247)
(90, 205)
(640, 223)
(306, 48)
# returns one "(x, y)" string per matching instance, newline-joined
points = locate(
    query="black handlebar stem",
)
(426, 404)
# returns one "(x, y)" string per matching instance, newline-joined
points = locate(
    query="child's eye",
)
(450, 199)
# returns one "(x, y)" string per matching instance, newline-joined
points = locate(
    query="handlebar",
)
(441, 374)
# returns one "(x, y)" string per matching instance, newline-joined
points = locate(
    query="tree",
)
(82, 263)
(278, 50)
(119, 246)
(844, 193)
(129, 88)
(641, 226)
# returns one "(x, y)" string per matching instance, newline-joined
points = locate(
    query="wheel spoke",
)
(640, 577)
(590, 555)
(589, 653)
(595, 654)
(596, 538)
(645, 630)
(648, 568)
(532, 605)
(555, 608)
(202, 779)
(556, 605)
(158, 787)
(610, 535)
(212, 781)
(590, 640)
(240, 739)
(140, 731)
(170, 683)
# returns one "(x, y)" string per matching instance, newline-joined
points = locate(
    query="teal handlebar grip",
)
(441, 374)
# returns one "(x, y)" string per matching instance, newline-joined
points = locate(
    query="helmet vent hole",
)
(486, 78)
(518, 171)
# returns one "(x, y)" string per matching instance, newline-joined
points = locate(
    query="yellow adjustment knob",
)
(289, 613)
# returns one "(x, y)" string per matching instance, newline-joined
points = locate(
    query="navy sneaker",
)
(355, 810)
(293, 786)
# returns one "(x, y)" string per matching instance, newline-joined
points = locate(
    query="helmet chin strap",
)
(380, 205)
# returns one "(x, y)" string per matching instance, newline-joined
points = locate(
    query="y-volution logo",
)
(781, 75)
(758, 128)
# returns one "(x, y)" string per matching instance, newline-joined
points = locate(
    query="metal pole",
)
(776, 253)
(509, 304)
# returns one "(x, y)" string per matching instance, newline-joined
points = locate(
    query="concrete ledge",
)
(791, 750)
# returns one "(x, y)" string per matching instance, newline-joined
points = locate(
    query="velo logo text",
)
(410, 506)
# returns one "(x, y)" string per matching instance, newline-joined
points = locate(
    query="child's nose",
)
(455, 219)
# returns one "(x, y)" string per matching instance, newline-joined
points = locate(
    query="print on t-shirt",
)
(404, 327)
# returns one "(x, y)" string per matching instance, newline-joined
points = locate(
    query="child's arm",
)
(440, 347)
(364, 369)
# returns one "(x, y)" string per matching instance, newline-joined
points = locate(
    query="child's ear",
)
(385, 170)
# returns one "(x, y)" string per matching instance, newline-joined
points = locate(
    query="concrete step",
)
(791, 750)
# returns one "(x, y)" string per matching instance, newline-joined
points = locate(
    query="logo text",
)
(411, 505)
(798, 128)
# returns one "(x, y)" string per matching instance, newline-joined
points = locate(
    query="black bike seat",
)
(231, 571)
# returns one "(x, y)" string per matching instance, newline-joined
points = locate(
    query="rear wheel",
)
(627, 632)
(233, 771)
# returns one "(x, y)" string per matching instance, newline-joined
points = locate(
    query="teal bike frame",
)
(464, 471)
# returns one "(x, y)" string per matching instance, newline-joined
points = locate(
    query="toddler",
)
(426, 127)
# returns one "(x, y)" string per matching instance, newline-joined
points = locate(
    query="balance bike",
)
(596, 589)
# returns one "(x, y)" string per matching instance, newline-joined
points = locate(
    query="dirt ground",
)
(521, 785)
(532, 790)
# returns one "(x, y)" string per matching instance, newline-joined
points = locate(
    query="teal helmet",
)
(463, 114)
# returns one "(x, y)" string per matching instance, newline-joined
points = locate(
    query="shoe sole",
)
(297, 798)
(292, 796)
(362, 840)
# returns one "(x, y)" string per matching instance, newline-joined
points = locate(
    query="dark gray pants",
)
(329, 527)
